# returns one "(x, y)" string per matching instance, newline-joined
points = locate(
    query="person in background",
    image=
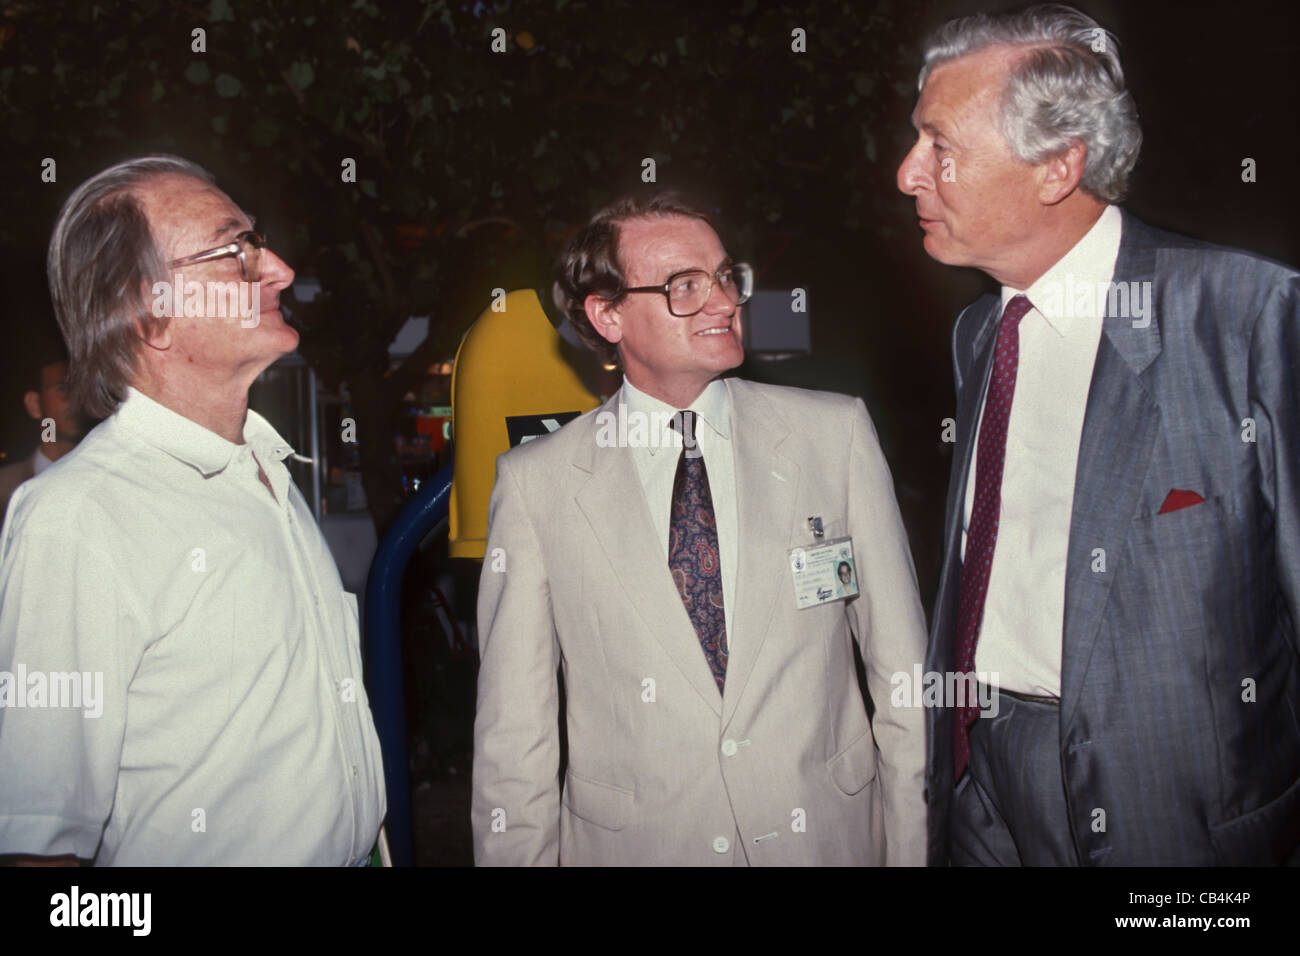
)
(59, 426)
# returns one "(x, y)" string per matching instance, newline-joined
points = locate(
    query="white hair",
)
(100, 254)
(1069, 86)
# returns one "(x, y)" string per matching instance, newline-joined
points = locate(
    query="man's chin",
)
(287, 334)
(731, 358)
(935, 249)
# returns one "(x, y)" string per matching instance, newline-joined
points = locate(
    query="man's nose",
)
(911, 176)
(718, 302)
(275, 271)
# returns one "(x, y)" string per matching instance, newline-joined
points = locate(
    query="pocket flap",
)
(600, 803)
(855, 766)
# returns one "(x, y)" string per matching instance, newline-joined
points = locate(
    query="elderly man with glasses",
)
(677, 579)
(183, 665)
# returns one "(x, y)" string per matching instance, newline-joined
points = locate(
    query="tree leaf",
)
(227, 86)
(198, 72)
(300, 74)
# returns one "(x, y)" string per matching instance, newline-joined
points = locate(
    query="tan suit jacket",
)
(784, 768)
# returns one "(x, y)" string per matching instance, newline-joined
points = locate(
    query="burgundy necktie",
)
(982, 534)
(693, 551)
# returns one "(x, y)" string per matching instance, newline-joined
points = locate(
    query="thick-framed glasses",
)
(247, 247)
(688, 292)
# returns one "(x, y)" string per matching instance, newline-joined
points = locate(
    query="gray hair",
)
(1069, 86)
(101, 254)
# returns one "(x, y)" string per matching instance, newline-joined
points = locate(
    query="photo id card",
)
(823, 572)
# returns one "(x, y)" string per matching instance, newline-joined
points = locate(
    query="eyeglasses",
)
(688, 292)
(247, 247)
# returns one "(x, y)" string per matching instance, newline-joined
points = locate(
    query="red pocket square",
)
(1180, 499)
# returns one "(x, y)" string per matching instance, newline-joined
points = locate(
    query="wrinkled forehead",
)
(653, 247)
(187, 215)
(977, 79)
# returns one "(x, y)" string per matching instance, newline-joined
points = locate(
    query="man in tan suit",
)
(708, 719)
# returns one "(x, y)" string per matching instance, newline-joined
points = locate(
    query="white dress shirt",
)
(232, 724)
(1024, 611)
(39, 462)
(656, 464)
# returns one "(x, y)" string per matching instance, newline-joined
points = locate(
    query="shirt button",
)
(721, 844)
(729, 748)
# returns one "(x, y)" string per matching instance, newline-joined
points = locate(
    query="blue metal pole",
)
(383, 640)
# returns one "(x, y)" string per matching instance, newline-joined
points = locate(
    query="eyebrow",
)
(726, 261)
(225, 227)
(233, 224)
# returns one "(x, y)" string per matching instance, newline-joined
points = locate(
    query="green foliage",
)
(472, 166)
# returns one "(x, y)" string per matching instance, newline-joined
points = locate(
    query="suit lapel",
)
(614, 504)
(978, 369)
(765, 506)
(1120, 428)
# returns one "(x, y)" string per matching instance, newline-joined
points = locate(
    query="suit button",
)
(729, 748)
(721, 844)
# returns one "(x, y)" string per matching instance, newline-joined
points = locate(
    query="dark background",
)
(796, 152)
(475, 166)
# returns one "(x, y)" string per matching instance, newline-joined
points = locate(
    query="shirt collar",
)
(1059, 293)
(712, 406)
(189, 442)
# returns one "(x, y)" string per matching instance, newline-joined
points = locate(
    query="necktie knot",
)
(1017, 308)
(684, 423)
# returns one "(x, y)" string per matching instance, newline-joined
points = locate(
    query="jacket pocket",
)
(600, 803)
(855, 766)
(1263, 837)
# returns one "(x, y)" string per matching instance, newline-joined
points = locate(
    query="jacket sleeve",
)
(1275, 407)
(890, 626)
(515, 808)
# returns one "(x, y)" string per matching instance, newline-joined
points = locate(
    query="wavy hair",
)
(1068, 86)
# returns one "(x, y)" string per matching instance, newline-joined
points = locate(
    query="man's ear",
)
(604, 318)
(32, 402)
(1061, 174)
(161, 336)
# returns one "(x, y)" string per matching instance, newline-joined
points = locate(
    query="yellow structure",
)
(510, 383)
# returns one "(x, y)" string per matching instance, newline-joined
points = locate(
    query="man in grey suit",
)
(1123, 515)
(685, 593)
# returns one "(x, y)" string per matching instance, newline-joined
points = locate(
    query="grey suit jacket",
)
(784, 768)
(1180, 671)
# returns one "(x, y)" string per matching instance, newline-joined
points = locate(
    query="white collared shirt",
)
(656, 464)
(39, 462)
(1024, 611)
(230, 724)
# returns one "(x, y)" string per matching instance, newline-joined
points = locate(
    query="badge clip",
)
(816, 524)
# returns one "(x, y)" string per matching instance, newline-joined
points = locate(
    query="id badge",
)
(823, 572)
